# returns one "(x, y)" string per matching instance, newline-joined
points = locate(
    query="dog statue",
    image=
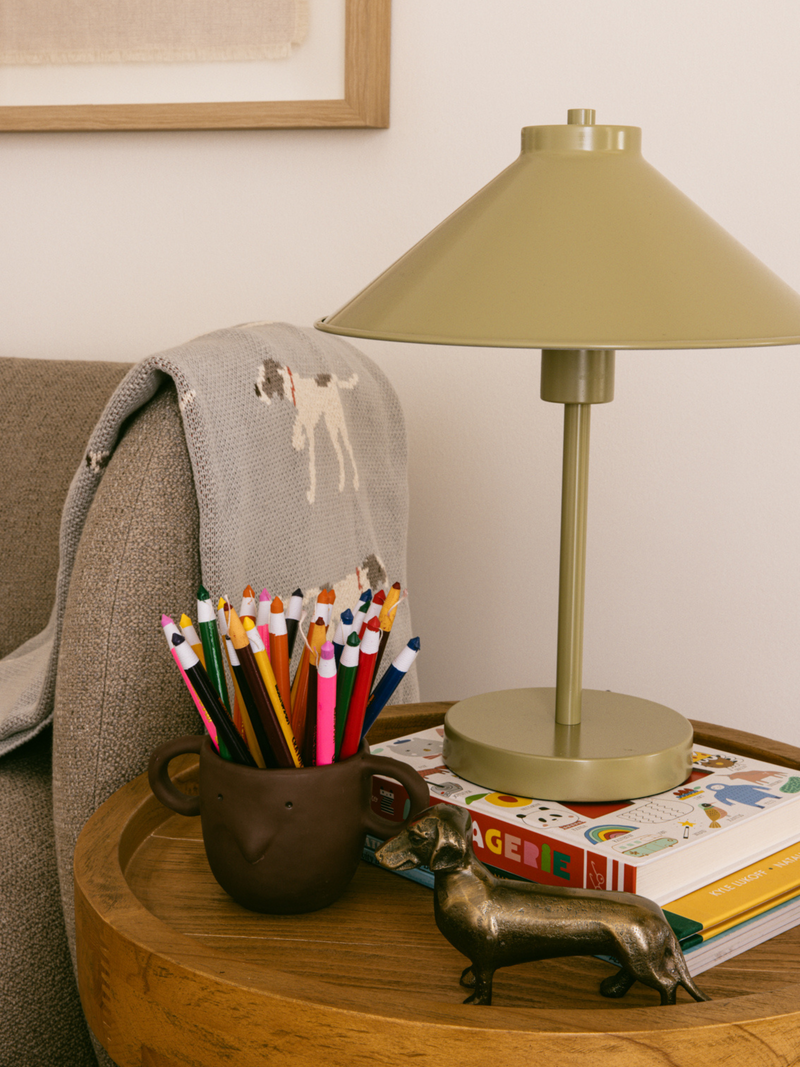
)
(497, 922)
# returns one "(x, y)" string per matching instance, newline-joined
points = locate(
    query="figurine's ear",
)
(449, 850)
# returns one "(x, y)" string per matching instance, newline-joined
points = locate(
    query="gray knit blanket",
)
(295, 438)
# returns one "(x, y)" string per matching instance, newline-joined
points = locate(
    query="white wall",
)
(119, 244)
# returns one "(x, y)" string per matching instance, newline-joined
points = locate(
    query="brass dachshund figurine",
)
(497, 922)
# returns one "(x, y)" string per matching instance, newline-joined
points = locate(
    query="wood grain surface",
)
(172, 972)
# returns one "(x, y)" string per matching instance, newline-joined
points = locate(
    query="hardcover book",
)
(730, 812)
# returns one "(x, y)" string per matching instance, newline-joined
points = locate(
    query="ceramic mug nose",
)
(286, 840)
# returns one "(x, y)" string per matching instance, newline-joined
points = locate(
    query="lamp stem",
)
(576, 378)
(574, 497)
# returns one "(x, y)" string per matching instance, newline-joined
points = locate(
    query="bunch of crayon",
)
(332, 701)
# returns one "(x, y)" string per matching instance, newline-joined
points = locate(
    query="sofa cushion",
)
(51, 407)
(42, 1021)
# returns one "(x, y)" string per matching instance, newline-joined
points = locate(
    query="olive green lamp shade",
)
(580, 247)
(580, 243)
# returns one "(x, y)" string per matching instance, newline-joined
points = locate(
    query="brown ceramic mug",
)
(287, 840)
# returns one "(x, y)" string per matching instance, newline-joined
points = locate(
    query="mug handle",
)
(160, 781)
(413, 782)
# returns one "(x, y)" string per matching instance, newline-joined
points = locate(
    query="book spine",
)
(421, 875)
(517, 851)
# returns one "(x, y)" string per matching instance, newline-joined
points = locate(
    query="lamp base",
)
(624, 747)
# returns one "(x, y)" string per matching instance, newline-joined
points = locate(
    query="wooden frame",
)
(365, 103)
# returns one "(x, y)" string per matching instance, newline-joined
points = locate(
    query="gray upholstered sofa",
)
(50, 785)
(138, 551)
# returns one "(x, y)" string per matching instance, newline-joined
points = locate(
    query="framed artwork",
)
(333, 73)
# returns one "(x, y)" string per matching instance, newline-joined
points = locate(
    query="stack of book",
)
(720, 853)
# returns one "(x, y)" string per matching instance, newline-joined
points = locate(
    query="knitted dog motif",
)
(370, 575)
(314, 399)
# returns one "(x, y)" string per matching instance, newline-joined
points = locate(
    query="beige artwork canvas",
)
(167, 31)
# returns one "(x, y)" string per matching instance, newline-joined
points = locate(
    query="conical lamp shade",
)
(580, 243)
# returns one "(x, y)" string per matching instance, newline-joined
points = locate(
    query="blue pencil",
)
(343, 631)
(394, 675)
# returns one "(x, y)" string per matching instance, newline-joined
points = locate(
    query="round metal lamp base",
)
(624, 747)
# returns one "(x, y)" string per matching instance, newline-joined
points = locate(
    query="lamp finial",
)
(580, 116)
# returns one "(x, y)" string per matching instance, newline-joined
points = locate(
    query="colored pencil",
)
(270, 684)
(360, 614)
(310, 730)
(262, 617)
(344, 628)
(345, 680)
(304, 708)
(300, 681)
(253, 731)
(209, 635)
(222, 624)
(279, 650)
(211, 702)
(293, 613)
(361, 690)
(248, 609)
(391, 679)
(189, 632)
(373, 611)
(281, 748)
(169, 627)
(326, 706)
(386, 618)
(327, 598)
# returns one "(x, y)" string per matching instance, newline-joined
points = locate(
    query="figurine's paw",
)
(468, 978)
(476, 999)
(616, 985)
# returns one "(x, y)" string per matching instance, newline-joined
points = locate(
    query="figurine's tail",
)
(682, 972)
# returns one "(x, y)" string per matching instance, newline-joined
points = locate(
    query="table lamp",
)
(578, 248)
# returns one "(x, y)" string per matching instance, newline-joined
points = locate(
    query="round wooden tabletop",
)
(172, 972)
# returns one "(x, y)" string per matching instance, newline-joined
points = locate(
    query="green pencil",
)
(212, 650)
(345, 680)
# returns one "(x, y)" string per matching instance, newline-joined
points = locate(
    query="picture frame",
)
(367, 35)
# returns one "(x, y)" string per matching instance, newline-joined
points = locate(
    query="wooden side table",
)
(173, 973)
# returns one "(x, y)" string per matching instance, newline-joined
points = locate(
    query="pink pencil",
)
(170, 627)
(326, 704)
(262, 618)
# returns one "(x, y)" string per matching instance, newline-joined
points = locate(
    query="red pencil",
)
(358, 702)
(373, 611)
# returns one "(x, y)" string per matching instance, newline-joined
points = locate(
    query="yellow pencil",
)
(241, 717)
(193, 638)
(268, 677)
